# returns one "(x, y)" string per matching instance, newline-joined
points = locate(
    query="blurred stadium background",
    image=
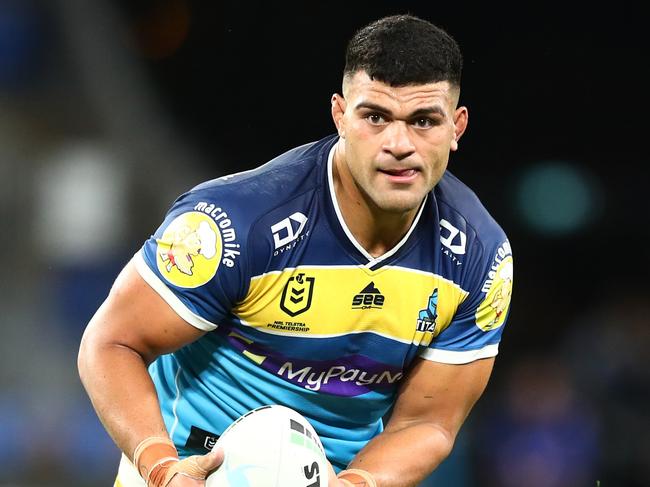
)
(109, 109)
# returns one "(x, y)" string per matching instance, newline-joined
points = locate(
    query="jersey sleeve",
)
(476, 328)
(196, 260)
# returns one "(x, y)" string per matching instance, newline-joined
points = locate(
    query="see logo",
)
(368, 297)
(297, 294)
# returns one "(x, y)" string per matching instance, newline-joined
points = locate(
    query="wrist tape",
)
(355, 477)
(156, 460)
(152, 459)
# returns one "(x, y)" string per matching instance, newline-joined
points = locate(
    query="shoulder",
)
(460, 210)
(473, 244)
(223, 223)
(248, 195)
(298, 168)
(476, 255)
(245, 207)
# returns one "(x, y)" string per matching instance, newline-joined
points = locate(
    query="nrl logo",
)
(297, 294)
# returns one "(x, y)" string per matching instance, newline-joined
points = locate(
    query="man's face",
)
(396, 139)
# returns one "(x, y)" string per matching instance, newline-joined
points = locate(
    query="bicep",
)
(136, 317)
(440, 394)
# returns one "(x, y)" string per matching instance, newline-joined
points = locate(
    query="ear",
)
(338, 110)
(460, 124)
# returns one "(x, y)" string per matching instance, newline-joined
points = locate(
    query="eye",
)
(424, 122)
(375, 119)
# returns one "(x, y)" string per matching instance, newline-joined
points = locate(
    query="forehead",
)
(362, 89)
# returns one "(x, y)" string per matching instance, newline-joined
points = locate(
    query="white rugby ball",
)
(271, 446)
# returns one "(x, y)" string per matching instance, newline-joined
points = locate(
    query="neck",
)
(376, 230)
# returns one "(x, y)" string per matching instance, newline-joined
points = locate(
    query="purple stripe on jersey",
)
(351, 375)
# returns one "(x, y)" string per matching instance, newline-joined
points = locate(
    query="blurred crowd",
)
(76, 142)
(89, 163)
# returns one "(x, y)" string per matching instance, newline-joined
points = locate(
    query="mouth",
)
(400, 175)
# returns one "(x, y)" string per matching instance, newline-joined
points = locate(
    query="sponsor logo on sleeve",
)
(452, 238)
(427, 317)
(454, 242)
(189, 251)
(194, 244)
(287, 233)
(226, 230)
(492, 311)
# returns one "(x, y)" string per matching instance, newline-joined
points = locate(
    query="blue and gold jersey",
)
(299, 314)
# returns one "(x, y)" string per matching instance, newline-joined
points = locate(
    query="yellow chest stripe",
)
(333, 301)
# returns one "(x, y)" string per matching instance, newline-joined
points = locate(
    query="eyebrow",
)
(432, 110)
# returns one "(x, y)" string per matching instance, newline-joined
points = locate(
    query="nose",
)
(397, 140)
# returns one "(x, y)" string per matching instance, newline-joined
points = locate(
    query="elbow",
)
(91, 350)
(447, 448)
(101, 351)
(84, 355)
(445, 441)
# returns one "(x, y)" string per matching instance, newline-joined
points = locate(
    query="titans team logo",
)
(492, 311)
(427, 316)
(189, 250)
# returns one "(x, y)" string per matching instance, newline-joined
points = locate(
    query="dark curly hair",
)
(403, 49)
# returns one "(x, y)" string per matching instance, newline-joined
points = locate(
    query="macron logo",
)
(287, 230)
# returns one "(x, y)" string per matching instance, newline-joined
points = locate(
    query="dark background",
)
(545, 83)
(139, 101)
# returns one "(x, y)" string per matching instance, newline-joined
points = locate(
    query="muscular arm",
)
(431, 406)
(130, 329)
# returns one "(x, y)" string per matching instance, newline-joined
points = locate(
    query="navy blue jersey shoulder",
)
(292, 172)
(470, 237)
(458, 201)
(268, 204)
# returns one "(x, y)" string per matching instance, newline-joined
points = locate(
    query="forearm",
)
(404, 457)
(122, 393)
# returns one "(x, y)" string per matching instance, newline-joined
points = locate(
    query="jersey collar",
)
(372, 261)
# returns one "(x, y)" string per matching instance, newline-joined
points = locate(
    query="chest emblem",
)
(297, 294)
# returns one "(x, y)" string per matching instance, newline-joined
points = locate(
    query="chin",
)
(400, 205)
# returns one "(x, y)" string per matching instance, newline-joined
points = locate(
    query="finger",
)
(333, 481)
(212, 460)
(196, 467)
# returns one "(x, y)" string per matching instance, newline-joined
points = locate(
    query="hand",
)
(192, 471)
(332, 480)
(354, 477)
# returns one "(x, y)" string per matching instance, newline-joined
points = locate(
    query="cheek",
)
(359, 129)
(441, 137)
(437, 156)
(362, 141)
(438, 145)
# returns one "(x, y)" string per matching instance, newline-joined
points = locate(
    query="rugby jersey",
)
(299, 314)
